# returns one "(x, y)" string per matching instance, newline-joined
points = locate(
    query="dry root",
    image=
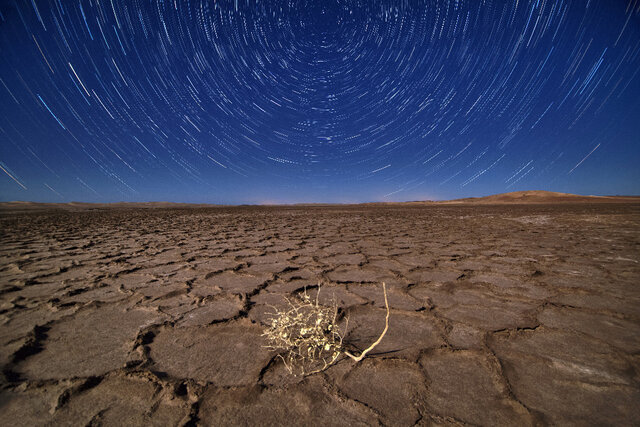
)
(308, 337)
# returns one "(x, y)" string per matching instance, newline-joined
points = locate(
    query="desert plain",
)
(501, 313)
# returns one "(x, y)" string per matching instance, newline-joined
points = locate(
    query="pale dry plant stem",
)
(386, 326)
(310, 336)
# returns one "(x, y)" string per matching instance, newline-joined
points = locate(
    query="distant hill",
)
(538, 196)
(81, 206)
(516, 197)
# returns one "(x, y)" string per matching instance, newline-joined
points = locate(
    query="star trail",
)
(341, 101)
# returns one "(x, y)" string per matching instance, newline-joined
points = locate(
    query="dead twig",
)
(308, 337)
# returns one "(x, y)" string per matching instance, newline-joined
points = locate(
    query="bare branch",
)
(308, 336)
(386, 326)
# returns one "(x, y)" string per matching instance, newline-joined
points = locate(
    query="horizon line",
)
(524, 193)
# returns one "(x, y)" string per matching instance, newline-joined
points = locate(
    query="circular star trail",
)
(254, 101)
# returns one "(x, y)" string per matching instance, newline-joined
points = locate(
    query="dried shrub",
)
(307, 335)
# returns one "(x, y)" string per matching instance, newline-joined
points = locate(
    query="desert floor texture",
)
(500, 315)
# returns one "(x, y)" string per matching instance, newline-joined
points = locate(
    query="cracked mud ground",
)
(500, 315)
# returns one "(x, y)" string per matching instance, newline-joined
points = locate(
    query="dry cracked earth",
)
(500, 315)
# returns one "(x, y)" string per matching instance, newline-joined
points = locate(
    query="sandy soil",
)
(501, 315)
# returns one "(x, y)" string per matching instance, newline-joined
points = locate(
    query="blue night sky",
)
(317, 101)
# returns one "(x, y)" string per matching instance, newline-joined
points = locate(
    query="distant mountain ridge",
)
(540, 196)
(82, 206)
(516, 197)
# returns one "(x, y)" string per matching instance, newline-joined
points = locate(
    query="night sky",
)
(316, 101)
